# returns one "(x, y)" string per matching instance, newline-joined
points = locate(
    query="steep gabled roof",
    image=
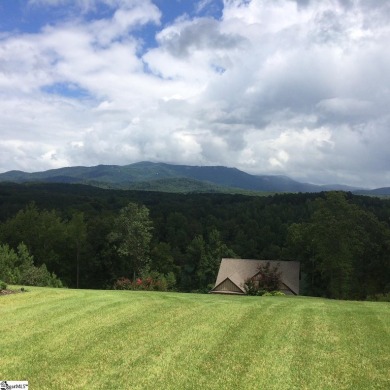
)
(227, 286)
(239, 270)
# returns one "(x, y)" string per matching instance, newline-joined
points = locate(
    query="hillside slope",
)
(144, 175)
(69, 339)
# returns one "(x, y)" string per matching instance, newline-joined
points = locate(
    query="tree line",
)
(90, 238)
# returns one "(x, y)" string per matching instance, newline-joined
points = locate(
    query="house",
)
(233, 273)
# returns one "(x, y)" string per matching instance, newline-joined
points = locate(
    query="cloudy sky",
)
(294, 87)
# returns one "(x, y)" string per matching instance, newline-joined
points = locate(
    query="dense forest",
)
(93, 238)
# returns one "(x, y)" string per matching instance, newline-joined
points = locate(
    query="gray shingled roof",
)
(239, 270)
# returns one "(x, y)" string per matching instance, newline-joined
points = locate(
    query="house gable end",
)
(227, 286)
(239, 270)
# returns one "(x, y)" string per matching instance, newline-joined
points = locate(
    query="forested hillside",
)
(149, 176)
(87, 235)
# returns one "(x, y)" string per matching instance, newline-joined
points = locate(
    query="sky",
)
(283, 87)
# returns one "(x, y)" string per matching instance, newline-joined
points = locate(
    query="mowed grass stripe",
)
(343, 346)
(69, 339)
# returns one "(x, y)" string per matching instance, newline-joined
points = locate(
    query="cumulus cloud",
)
(183, 39)
(297, 87)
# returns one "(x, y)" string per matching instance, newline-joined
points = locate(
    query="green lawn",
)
(68, 339)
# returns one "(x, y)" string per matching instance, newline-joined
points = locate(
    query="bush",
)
(149, 281)
(39, 276)
(123, 284)
(3, 285)
(266, 280)
(17, 267)
(274, 294)
(252, 288)
(379, 297)
(147, 284)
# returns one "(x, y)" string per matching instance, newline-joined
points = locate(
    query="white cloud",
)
(348, 108)
(293, 87)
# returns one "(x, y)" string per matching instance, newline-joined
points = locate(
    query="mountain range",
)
(175, 178)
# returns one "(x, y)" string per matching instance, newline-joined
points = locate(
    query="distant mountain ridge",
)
(172, 178)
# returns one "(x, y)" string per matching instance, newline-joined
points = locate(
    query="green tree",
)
(332, 240)
(340, 247)
(131, 237)
(42, 231)
(9, 271)
(216, 249)
(176, 227)
(77, 238)
(17, 267)
(162, 259)
(197, 262)
(204, 257)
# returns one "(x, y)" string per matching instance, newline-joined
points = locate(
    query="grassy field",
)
(68, 339)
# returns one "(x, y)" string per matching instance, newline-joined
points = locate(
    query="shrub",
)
(148, 281)
(17, 267)
(266, 280)
(278, 294)
(252, 288)
(123, 284)
(379, 297)
(274, 294)
(3, 285)
(39, 276)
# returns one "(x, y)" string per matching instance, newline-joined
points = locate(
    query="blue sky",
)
(31, 17)
(294, 87)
